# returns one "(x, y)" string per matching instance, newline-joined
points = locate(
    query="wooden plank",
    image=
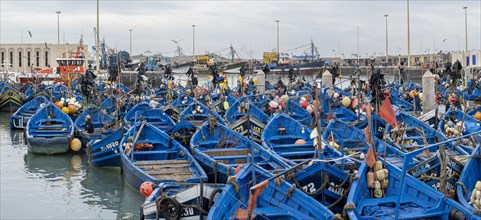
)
(163, 166)
(183, 171)
(161, 162)
(215, 153)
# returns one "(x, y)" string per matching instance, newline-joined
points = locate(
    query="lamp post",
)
(193, 42)
(130, 30)
(387, 56)
(58, 27)
(409, 39)
(97, 51)
(466, 33)
(278, 51)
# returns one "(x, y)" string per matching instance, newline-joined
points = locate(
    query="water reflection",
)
(106, 188)
(18, 138)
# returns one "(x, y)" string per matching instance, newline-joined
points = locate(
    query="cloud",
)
(249, 25)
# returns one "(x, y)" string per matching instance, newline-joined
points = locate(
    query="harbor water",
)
(65, 186)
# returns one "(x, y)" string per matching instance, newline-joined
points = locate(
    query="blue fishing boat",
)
(180, 200)
(197, 113)
(154, 116)
(148, 154)
(49, 131)
(20, 118)
(182, 102)
(247, 119)
(458, 211)
(254, 193)
(103, 124)
(461, 123)
(437, 166)
(297, 112)
(260, 101)
(220, 150)
(10, 99)
(288, 138)
(346, 139)
(474, 111)
(468, 188)
(417, 200)
(103, 150)
(472, 92)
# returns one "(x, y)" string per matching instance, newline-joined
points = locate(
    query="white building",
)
(471, 58)
(20, 57)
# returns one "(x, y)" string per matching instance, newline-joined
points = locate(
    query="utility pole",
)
(97, 51)
(278, 51)
(466, 34)
(387, 56)
(130, 51)
(193, 42)
(409, 39)
(58, 27)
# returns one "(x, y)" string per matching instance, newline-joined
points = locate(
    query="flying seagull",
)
(30, 33)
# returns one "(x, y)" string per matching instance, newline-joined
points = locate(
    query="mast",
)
(232, 53)
(312, 50)
(97, 51)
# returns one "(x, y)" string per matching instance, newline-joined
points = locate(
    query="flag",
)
(387, 112)
(370, 157)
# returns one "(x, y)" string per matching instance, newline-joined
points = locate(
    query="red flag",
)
(370, 157)
(387, 112)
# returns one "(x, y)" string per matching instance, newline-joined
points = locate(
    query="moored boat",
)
(49, 131)
(20, 118)
(103, 150)
(220, 151)
(149, 154)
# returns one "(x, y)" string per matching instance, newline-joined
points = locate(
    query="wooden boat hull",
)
(49, 131)
(52, 145)
(188, 196)
(277, 201)
(418, 201)
(105, 152)
(167, 161)
(467, 181)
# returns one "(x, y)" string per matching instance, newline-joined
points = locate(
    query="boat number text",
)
(188, 212)
(110, 145)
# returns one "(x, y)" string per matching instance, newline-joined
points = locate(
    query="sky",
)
(250, 26)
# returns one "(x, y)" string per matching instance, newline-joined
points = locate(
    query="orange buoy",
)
(146, 188)
(300, 141)
(304, 104)
(355, 103)
(477, 116)
(237, 169)
(72, 109)
(59, 105)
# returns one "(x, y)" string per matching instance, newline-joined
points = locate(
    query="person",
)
(401, 72)
(334, 73)
(89, 126)
(291, 75)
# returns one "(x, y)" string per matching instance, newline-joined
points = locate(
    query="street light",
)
(278, 51)
(193, 42)
(466, 32)
(387, 56)
(58, 27)
(409, 41)
(130, 30)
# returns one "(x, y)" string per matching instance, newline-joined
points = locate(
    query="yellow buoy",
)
(75, 144)
(226, 105)
(65, 110)
(346, 102)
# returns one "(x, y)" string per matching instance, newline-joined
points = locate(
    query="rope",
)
(348, 207)
(233, 181)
